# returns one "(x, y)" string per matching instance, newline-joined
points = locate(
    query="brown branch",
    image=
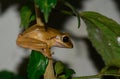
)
(38, 19)
(49, 73)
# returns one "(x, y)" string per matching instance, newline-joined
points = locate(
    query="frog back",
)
(40, 33)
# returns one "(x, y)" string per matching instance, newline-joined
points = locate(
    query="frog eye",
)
(65, 39)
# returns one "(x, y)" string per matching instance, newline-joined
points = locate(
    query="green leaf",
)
(59, 67)
(37, 65)
(110, 71)
(6, 75)
(32, 18)
(62, 77)
(9, 75)
(104, 34)
(46, 7)
(62, 71)
(27, 16)
(69, 72)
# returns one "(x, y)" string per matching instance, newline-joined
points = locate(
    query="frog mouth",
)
(57, 44)
(60, 45)
(69, 45)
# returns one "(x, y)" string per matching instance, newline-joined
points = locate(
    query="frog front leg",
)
(34, 44)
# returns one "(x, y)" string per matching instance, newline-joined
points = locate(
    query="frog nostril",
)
(65, 39)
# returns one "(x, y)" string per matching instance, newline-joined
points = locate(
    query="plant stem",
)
(49, 73)
(87, 77)
(38, 19)
(96, 76)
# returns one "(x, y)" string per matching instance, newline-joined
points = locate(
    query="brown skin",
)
(40, 39)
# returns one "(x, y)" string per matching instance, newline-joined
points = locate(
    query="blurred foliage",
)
(27, 12)
(104, 34)
(9, 75)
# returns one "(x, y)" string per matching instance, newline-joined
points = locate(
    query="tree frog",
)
(40, 39)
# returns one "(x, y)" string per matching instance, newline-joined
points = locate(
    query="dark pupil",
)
(65, 39)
